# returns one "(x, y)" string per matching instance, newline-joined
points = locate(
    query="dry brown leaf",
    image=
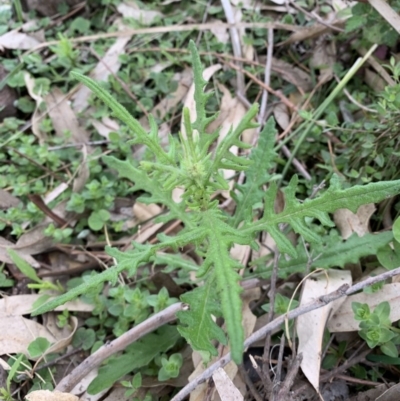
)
(220, 32)
(310, 326)
(129, 9)
(55, 193)
(5, 258)
(109, 64)
(292, 74)
(343, 318)
(18, 305)
(226, 389)
(281, 114)
(184, 80)
(18, 40)
(63, 336)
(83, 173)
(34, 241)
(323, 58)
(349, 223)
(47, 395)
(7, 200)
(145, 212)
(17, 333)
(241, 253)
(310, 32)
(37, 114)
(391, 394)
(105, 126)
(374, 80)
(64, 118)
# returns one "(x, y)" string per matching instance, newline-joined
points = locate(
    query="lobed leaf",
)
(130, 263)
(257, 174)
(295, 211)
(144, 182)
(333, 251)
(197, 324)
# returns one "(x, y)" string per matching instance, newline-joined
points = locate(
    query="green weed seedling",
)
(376, 328)
(189, 164)
(30, 272)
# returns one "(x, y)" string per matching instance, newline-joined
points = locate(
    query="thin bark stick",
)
(119, 344)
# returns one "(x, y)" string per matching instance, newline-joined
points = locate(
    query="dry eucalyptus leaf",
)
(63, 336)
(374, 80)
(105, 126)
(5, 258)
(34, 241)
(310, 32)
(324, 58)
(7, 200)
(310, 326)
(226, 389)
(349, 223)
(109, 64)
(184, 80)
(292, 74)
(220, 32)
(64, 118)
(47, 395)
(391, 394)
(37, 114)
(18, 305)
(130, 9)
(17, 333)
(281, 114)
(144, 212)
(18, 41)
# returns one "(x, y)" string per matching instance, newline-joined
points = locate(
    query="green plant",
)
(189, 164)
(376, 328)
(374, 28)
(5, 392)
(29, 272)
(133, 385)
(170, 367)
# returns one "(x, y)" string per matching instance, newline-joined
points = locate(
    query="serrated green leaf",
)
(201, 122)
(333, 251)
(127, 262)
(197, 324)
(137, 355)
(257, 174)
(334, 198)
(144, 182)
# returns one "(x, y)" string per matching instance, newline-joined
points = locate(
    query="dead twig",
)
(259, 334)
(289, 379)
(119, 344)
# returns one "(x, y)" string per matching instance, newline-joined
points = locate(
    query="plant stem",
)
(306, 126)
